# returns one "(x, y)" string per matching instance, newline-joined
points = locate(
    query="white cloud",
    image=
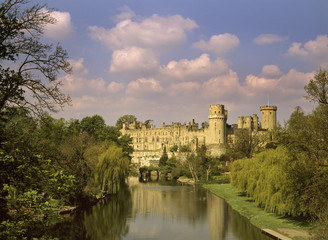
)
(133, 60)
(285, 86)
(126, 13)
(270, 71)
(196, 69)
(315, 51)
(153, 32)
(295, 80)
(264, 39)
(77, 83)
(222, 87)
(62, 29)
(144, 87)
(257, 83)
(78, 67)
(114, 87)
(296, 51)
(220, 44)
(183, 89)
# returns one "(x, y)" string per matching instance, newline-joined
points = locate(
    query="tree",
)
(127, 119)
(245, 143)
(125, 142)
(193, 164)
(207, 163)
(174, 148)
(30, 61)
(163, 159)
(74, 151)
(92, 125)
(148, 123)
(317, 88)
(205, 125)
(112, 169)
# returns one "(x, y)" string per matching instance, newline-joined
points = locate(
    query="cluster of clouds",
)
(136, 45)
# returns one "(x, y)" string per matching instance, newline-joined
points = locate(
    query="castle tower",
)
(255, 122)
(268, 117)
(248, 122)
(240, 122)
(217, 120)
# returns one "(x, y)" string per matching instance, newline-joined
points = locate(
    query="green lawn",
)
(257, 216)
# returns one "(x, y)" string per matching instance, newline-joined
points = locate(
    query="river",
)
(155, 211)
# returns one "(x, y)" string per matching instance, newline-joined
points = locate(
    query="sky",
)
(169, 60)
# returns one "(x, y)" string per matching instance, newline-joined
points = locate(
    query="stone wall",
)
(149, 142)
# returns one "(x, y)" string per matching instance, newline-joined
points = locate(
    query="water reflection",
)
(154, 211)
(108, 219)
(217, 214)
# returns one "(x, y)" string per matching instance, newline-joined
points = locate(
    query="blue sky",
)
(169, 60)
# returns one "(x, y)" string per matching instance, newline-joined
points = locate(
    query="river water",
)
(154, 211)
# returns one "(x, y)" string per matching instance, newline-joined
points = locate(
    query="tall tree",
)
(92, 125)
(127, 119)
(164, 158)
(245, 143)
(112, 169)
(26, 61)
(317, 88)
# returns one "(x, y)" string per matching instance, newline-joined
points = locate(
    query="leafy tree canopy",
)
(127, 119)
(317, 88)
(26, 62)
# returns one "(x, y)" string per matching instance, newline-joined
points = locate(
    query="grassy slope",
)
(258, 217)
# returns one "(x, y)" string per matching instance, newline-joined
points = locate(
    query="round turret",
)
(217, 119)
(268, 117)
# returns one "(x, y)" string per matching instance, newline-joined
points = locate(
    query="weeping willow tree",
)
(266, 179)
(282, 183)
(112, 169)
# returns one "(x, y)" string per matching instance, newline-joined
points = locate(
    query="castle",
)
(149, 142)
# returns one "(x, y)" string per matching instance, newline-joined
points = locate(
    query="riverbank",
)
(289, 227)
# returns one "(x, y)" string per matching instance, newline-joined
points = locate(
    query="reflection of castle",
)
(149, 142)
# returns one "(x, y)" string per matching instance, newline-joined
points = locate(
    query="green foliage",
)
(45, 162)
(321, 226)
(221, 179)
(177, 168)
(317, 88)
(204, 125)
(293, 178)
(265, 179)
(30, 181)
(30, 184)
(112, 169)
(246, 143)
(201, 165)
(125, 142)
(93, 125)
(257, 216)
(31, 60)
(163, 159)
(193, 165)
(173, 148)
(125, 119)
(184, 148)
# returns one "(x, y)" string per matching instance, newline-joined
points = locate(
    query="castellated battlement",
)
(149, 142)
